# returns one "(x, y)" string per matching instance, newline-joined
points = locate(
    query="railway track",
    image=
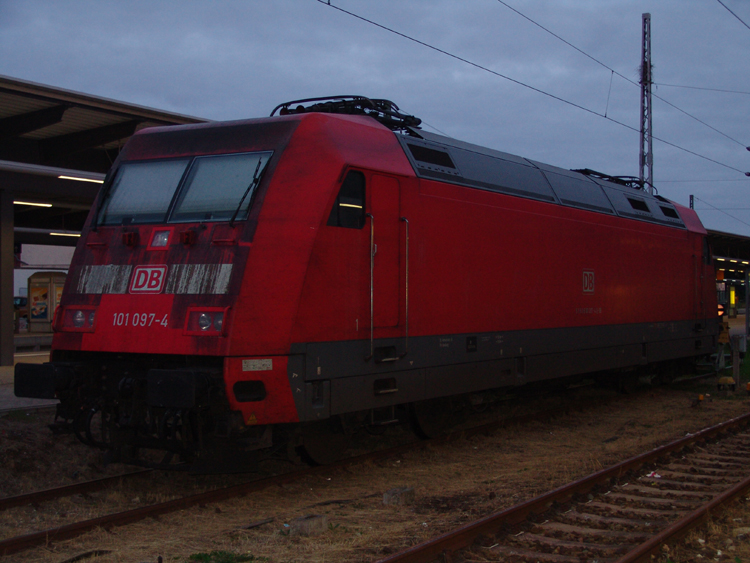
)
(28, 541)
(24, 542)
(621, 514)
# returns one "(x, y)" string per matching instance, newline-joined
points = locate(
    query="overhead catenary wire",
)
(515, 81)
(597, 61)
(701, 181)
(721, 210)
(735, 15)
(661, 84)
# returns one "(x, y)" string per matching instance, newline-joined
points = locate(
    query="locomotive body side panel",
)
(502, 291)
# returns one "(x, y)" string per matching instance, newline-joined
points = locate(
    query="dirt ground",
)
(725, 538)
(455, 483)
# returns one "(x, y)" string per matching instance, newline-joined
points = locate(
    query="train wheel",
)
(431, 418)
(324, 442)
(97, 428)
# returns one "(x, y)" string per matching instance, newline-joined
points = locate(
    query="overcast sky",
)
(239, 59)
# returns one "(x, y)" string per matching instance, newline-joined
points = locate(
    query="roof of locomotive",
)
(434, 157)
(446, 159)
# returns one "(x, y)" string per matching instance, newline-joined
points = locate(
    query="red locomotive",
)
(269, 284)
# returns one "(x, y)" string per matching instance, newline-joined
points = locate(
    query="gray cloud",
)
(237, 59)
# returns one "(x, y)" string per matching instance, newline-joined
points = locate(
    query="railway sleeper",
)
(568, 531)
(611, 522)
(668, 493)
(706, 477)
(640, 501)
(681, 482)
(518, 553)
(655, 514)
(733, 450)
(554, 545)
(701, 471)
(705, 464)
(721, 460)
(738, 440)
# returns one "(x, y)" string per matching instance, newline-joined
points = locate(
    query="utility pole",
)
(647, 153)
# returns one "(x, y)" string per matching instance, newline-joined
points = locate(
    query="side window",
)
(349, 208)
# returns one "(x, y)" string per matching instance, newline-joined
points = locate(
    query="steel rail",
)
(464, 536)
(66, 490)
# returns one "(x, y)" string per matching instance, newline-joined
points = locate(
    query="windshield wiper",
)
(253, 183)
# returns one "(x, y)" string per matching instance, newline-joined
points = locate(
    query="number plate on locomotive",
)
(139, 319)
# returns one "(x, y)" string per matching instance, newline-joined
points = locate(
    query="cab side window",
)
(349, 208)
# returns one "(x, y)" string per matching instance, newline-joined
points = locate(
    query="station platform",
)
(8, 401)
(34, 341)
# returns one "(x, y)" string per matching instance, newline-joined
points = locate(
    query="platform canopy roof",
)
(731, 255)
(49, 135)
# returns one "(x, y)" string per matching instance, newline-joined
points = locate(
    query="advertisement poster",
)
(58, 295)
(39, 302)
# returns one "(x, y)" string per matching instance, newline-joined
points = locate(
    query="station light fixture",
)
(32, 203)
(79, 179)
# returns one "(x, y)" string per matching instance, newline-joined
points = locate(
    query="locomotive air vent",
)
(669, 212)
(639, 205)
(433, 158)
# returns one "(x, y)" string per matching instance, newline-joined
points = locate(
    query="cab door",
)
(385, 226)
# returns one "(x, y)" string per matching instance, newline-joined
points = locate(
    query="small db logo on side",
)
(588, 281)
(148, 279)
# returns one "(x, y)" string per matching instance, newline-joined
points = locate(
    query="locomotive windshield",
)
(204, 188)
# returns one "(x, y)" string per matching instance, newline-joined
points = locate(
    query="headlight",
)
(204, 321)
(208, 321)
(160, 239)
(76, 319)
(79, 319)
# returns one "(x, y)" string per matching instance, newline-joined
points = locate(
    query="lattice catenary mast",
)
(647, 153)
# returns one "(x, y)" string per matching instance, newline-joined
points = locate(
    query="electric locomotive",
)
(274, 284)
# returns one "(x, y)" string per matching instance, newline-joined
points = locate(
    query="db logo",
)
(148, 279)
(588, 281)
